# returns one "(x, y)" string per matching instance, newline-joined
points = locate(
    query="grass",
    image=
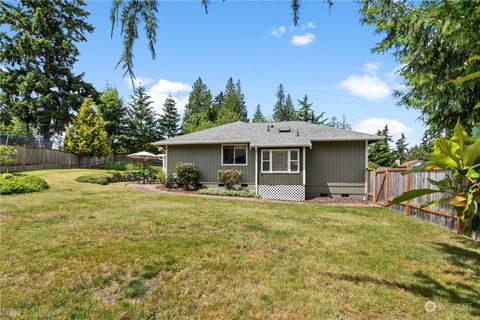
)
(87, 251)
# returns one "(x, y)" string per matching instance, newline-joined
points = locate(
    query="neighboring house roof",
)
(269, 134)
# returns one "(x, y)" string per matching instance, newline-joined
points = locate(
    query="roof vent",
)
(283, 129)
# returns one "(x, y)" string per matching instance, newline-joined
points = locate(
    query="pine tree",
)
(170, 118)
(87, 136)
(258, 115)
(401, 149)
(233, 107)
(306, 113)
(113, 112)
(283, 110)
(198, 109)
(142, 127)
(417, 152)
(290, 112)
(37, 83)
(379, 152)
(344, 124)
(216, 106)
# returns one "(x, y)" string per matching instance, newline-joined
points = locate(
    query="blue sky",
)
(328, 57)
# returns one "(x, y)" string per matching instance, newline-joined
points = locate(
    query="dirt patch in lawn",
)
(320, 200)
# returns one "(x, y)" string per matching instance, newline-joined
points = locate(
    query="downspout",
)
(256, 171)
(304, 169)
(366, 170)
(165, 160)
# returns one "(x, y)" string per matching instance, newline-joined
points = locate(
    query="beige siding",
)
(207, 157)
(336, 168)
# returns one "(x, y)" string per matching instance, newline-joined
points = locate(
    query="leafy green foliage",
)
(461, 156)
(230, 177)
(21, 183)
(87, 136)
(94, 178)
(188, 175)
(170, 182)
(38, 54)
(15, 126)
(228, 193)
(110, 107)
(142, 125)
(435, 42)
(116, 165)
(417, 152)
(170, 118)
(8, 154)
(258, 115)
(379, 152)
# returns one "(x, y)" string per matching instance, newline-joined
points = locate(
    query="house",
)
(280, 160)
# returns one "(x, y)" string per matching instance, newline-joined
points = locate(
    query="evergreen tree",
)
(306, 113)
(170, 118)
(113, 112)
(258, 115)
(283, 110)
(233, 107)
(417, 152)
(142, 126)
(290, 113)
(379, 152)
(216, 106)
(15, 127)
(344, 124)
(198, 109)
(87, 136)
(401, 149)
(38, 55)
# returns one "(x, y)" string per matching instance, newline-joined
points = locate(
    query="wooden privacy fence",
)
(40, 158)
(387, 183)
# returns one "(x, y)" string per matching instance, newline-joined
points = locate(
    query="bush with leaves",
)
(102, 179)
(229, 178)
(170, 182)
(460, 155)
(8, 154)
(120, 165)
(21, 183)
(228, 193)
(188, 175)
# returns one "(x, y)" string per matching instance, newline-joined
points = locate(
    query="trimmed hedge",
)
(228, 193)
(21, 183)
(94, 178)
(188, 175)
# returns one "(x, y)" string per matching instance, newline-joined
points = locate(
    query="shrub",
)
(118, 176)
(160, 177)
(229, 178)
(228, 193)
(170, 181)
(94, 178)
(117, 165)
(21, 183)
(8, 154)
(187, 175)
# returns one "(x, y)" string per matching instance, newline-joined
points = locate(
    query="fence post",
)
(43, 157)
(387, 187)
(24, 157)
(407, 188)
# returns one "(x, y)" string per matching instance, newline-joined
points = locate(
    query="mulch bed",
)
(320, 200)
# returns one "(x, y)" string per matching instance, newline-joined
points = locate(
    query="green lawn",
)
(84, 251)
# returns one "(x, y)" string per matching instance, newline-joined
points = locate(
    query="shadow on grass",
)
(425, 286)
(465, 258)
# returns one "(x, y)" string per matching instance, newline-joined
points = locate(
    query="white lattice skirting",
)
(282, 192)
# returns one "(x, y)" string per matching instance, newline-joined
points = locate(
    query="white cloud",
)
(303, 39)
(395, 127)
(162, 88)
(278, 32)
(366, 86)
(138, 81)
(309, 25)
(371, 67)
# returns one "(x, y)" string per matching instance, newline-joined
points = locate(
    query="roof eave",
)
(179, 143)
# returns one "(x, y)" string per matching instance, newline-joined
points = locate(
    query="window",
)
(234, 155)
(281, 161)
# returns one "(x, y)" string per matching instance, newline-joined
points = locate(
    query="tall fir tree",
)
(258, 115)
(170, 118)
(283, 110)
(307, 114)
(142, 126)
(216, 106)
(233, 107)
(379, 152)
(38, 54)
(401, 149)
(344, 124)
(87, 135)
(198, 108)
(111, 108)
(417, 152)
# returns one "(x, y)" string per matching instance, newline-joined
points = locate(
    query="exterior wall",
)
(335, 168)
(207, 158)
(280, 178)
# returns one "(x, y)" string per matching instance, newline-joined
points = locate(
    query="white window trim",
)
(288, 161)
(234, 165)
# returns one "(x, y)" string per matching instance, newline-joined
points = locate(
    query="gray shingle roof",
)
(268, 135)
